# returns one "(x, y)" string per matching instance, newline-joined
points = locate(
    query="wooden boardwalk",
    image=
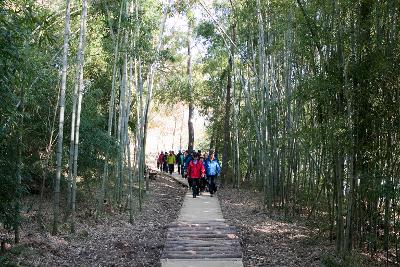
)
(200, 236)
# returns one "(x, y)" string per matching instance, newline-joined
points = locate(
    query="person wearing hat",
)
(195, 172)
(213, 170)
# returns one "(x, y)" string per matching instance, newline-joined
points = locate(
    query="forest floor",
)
(270, 240)
(107, 241)
(266, 240)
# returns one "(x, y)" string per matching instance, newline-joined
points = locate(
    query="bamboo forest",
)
(295, 103)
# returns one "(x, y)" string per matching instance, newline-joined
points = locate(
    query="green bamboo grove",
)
(315, 91)
(301, 99)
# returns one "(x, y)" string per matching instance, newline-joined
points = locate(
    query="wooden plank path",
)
(200, 236)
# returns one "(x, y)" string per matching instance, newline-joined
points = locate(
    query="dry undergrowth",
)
(112, 241)
(107, 241)
(269, 241)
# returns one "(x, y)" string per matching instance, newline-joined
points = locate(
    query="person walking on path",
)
(213, 169)
(195, 172)
(160, 161)
(203, 182)
(178, 161)
(165, 164)
(182, 163)
(186, 161)
(171, 161)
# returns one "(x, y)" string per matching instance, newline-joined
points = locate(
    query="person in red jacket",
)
(160, 161)
(195, 172)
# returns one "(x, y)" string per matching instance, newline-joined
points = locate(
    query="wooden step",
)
(201, 240)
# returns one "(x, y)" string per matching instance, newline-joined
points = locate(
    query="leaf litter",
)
(269, 240)
(107, 241)
(266, 240)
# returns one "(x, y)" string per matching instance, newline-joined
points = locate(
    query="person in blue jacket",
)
(213, 169)
(188, 158)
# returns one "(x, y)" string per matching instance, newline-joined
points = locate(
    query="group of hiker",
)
(201, 170)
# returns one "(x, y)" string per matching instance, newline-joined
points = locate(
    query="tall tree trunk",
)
(143, 122)
(139, 108)
(339, 162)
(226, 156)
(122, 130)
(227, 131)
(236, 106)
(81, 61)
(264, 95)
(348, 244)
(56, 201)
(72, 144)
(189, 73)
(150, 85)
(181, 130)
(18, 174)
(110, 110)
(128, 110)
(130, 178)
(173, 133)
(139, 133)
(73, 124)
